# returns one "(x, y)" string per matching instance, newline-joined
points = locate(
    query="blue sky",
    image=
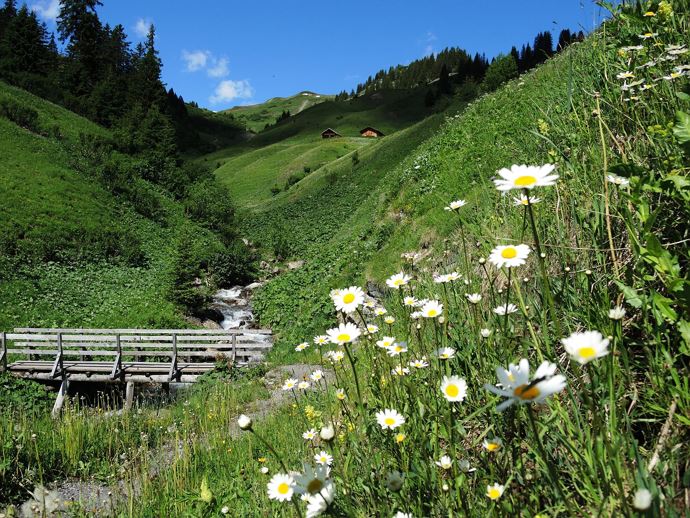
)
(221, 53)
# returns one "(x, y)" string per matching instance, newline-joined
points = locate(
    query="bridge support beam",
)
(60, 399)
(129, 396)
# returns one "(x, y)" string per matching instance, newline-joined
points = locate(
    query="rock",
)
(210, 324)
(264, 265)
(253, 286)
(294, 265)
(374, 290)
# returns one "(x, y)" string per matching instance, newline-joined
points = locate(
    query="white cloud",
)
(219, 68)
(141, 28)
(47, 9)
(429, 47)
(230, 90)
(195, 60)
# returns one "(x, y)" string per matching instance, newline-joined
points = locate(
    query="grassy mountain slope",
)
(256, 116)
(253, 168)
(73, 254)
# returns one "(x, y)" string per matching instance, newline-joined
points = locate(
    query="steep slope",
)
(73, 254)
(256, 116)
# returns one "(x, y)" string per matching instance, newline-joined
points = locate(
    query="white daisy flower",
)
(323, 458)
(455, 205)
(617, 313)
(444, 462)
(419, 363)
(312, 481)
(389, 320)
(506, 309)
(398, 280)
(400, 371)
(625, 75)
(386, 342)
(432, 309)
(372, 328)
(317, 375)
(410, 301)
(340, 394)
(321, 340)
(303, 385)
(327, 433)
(281, 487)
(318, 504)
(648, 35)
(349, 299)
(301, 347)
(474, 298)
(379, 312)
(400, 514)
(494, 491)
(336, 356)
(525, 200)
(445, 353)
(454, 388)
(525, 177)
(343, 334)
(389, 419)
(492, 445)
(309, 435)
(617, 180)
(585, 347)
(441, 279)
(453, 276)
(416, 315)
(290, 384)
(509, 255)
(397, 349)
(244, 422)
(516, 386)
(485, 333)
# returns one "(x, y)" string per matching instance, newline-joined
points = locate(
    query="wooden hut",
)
(329, 133)
(371, 132)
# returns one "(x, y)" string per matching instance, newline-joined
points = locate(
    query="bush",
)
(233, 266)
(209, 204)
(21, 115)
(275, 190)
(502, 69)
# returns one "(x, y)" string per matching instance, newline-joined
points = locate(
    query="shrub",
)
(503, 68)
(21, 115)
(235, 265)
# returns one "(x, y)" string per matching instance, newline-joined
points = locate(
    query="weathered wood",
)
(129, 396)
(173, 362)
(60, 399)
(3, 352)
(113, 332)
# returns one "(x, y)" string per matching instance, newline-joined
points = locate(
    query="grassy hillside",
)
(600, 429)
(73, 254)
(253, 168)
(256, 116)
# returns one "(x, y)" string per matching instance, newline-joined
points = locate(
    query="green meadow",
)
(520, 352)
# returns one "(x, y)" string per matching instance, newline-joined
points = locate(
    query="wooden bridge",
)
(126, 355)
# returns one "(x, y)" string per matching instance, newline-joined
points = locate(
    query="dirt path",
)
(99, 499)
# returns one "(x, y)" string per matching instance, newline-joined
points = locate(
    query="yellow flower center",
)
(492, 446)
(587, 352)
(452, 390)
(343, 337)
(283, 488)
(509, 253)
(432, 313)
(349, 298)
(389, 421)
(397, 282)
(525, 181)
(494, 493)
(526, 393)
(400, 437)
(315, 485)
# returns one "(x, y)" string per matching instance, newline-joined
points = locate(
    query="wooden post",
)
(3, 352)
(60, 399)
(173, 363)
(58, 361)
(234, 349)
(117, 365)
(129, 396)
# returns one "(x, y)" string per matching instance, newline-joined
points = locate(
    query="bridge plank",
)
(75, 330)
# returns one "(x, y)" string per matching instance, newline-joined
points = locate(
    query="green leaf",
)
(631, 296)
(683, 96)
(684, 329)
(663, 306)
(682, 128)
